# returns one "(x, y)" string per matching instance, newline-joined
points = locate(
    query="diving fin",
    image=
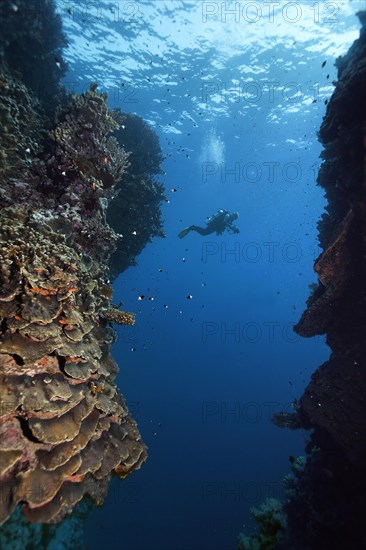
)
(184, 232)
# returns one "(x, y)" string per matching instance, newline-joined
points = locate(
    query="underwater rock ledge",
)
(335, 399)
(64, 427)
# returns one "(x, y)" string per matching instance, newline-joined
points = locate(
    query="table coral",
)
(64, 426)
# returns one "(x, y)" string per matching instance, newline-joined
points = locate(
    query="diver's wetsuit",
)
(201, 230)
(216, 224)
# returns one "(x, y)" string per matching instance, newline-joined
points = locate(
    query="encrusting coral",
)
(21, 124)
(64, 426)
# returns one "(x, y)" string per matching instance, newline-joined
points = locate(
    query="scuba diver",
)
(217, 223)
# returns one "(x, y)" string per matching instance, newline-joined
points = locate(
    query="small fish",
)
(324, 63)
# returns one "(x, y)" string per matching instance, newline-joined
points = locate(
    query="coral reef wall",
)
(32, 40)
(64, 427)
(326, 507)
(135, 212)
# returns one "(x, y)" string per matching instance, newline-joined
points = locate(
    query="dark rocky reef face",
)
(138, 197)
(31, 65)
(64, 427)
(31, 43)
(326, 506)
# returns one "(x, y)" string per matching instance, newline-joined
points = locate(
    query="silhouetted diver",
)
(217, 223)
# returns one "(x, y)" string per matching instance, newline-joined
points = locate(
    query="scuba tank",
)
(220, 214)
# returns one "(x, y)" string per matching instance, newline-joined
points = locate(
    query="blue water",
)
(236, 99)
